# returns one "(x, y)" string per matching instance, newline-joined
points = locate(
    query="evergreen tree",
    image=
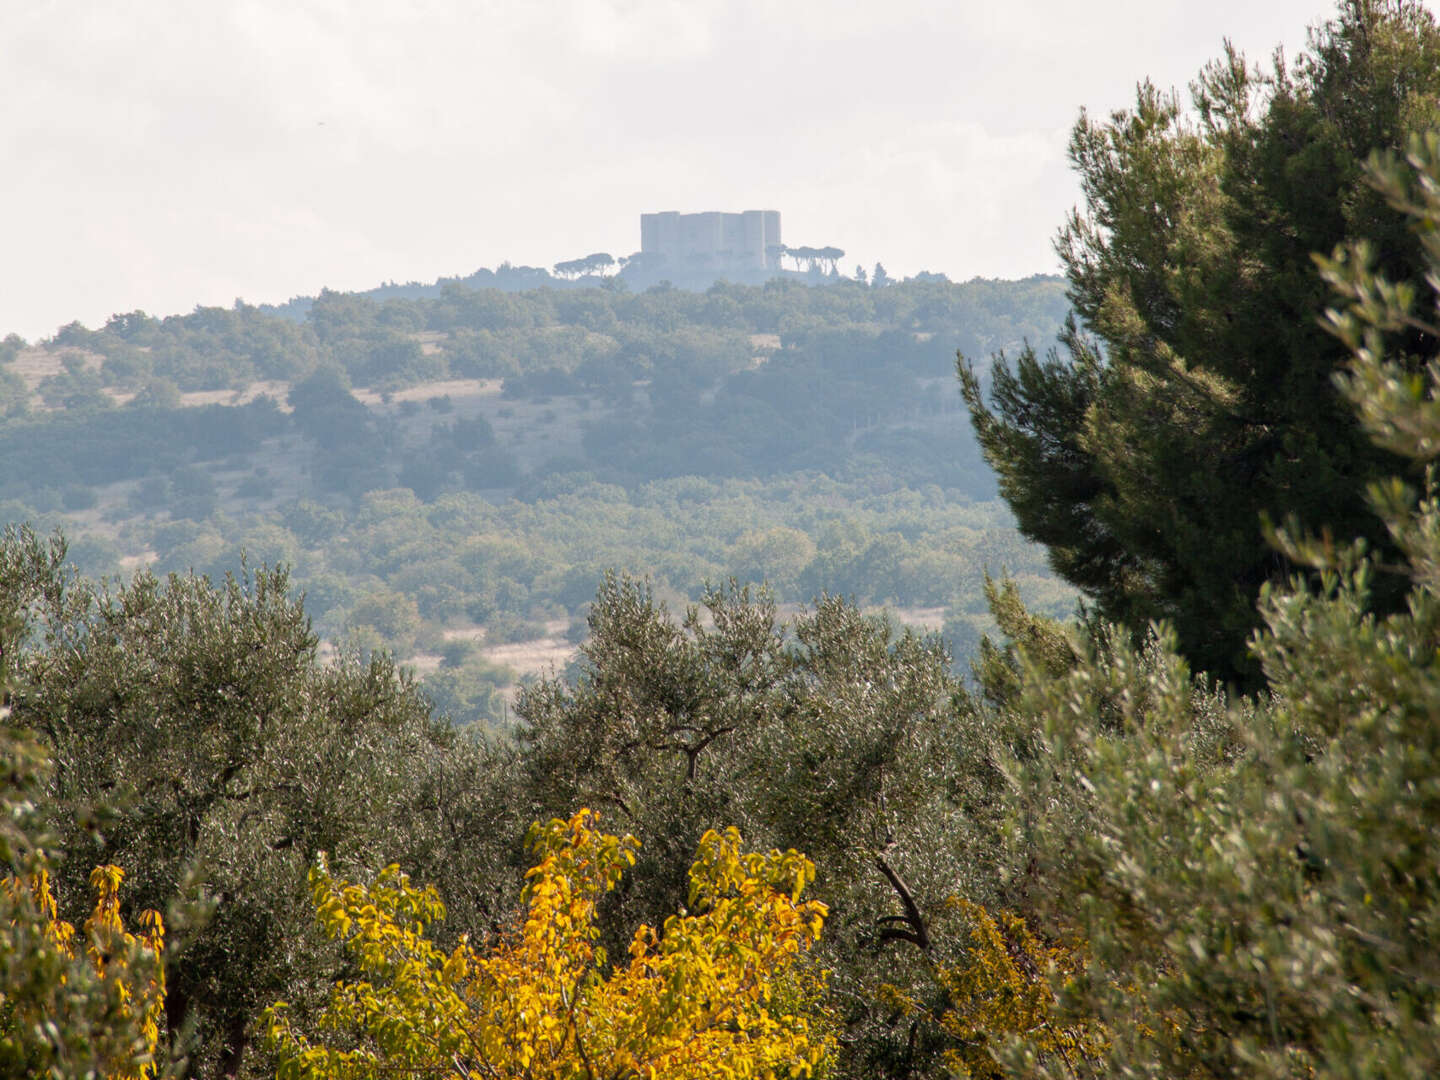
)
(828, 731)
(228, 757)
(1197, 392)
(1257, 879)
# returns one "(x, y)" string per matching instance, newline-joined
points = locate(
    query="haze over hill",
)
(450, 469)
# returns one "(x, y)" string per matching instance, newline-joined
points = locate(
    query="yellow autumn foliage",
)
(709, 996)
(1002, 991)
(135, 991)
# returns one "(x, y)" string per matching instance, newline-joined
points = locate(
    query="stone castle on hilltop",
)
(712, 240)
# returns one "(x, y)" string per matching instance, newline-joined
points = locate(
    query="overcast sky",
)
(161, 154)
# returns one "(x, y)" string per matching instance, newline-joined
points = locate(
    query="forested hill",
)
(599, 334)
(450, 476)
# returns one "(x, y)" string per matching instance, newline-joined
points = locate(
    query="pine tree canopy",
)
(1195, 395)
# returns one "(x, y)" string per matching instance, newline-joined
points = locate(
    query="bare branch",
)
(916, 934)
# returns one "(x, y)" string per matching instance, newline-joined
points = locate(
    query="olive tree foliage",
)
(828, 732)
(62, 1016)
(1196, 390)
(1259, 880)
(229, 757)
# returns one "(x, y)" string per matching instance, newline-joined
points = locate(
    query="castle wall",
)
(712, 238)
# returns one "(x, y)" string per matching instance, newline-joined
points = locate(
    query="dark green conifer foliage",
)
(1259, 879)
(1196, 393)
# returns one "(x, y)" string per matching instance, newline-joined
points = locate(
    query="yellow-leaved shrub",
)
(129, 970)
(1000, 992)
(711, 995)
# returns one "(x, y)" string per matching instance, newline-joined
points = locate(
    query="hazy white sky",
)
(165, 153)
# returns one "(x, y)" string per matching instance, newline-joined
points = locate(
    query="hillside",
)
(450, 476)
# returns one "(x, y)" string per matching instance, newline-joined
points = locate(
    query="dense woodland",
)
(472, 492)
(1190, 830)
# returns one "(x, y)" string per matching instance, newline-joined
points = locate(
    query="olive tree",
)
(228, 758)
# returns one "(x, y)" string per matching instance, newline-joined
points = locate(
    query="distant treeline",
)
(843, 380)
(487, 333)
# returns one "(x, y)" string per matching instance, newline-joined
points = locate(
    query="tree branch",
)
(916, 934)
